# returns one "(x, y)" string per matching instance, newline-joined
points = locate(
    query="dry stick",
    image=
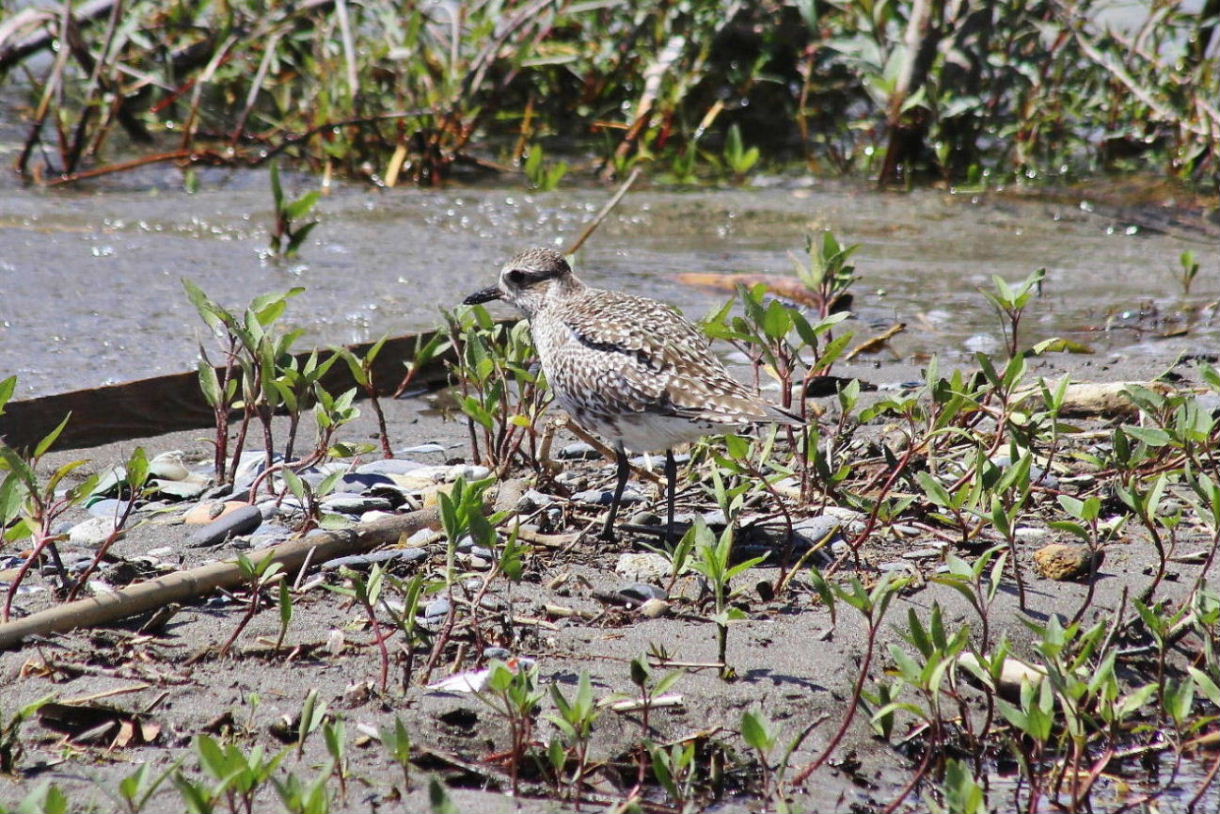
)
(601, 216)
(187, 585)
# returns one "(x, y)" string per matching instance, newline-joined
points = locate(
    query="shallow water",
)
(91, 292)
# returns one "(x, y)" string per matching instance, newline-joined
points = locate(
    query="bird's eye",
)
(516, 276)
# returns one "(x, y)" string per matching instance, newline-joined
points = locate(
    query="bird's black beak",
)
(486, 295)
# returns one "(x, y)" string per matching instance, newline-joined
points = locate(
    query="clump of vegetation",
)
(706, 90)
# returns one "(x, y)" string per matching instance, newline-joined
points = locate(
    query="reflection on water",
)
(91, 290)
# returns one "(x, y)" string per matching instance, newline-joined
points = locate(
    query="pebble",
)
(924, 554)
(640, 567)
(161, 553)
(107, 507)
(364, 560)
(358, 483)
(269, 534)
(642, 592)
(184, 489)
(210, 510)
(421, 449)
(579, 451)
(374, 515)
(812, 530)
(646, 518)
(654, 608)
(423, 537)
(92, 532)
(571, 479)
(169, 466)
(388, 466)
(349, 503)
(1062, 562)
(437, 608)
(239, 521)
(73, 563)
(467, 471)
(533, 500)
(1209, 403)
(1029, 533)
(493, 652)
(604, 497)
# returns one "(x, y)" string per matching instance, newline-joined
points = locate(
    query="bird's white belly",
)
(649, 432)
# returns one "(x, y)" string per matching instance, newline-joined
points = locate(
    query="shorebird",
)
(628, 368)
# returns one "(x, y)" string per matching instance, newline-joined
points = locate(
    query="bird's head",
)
(528, 280)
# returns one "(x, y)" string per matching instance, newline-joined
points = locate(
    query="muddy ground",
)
(790, 660)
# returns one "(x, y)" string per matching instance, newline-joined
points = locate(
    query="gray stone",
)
(360, 482)
(579, 451)
(349, 503)
(642, 592)
(533, 500)
(395, 555)
(420, 449)
(92, 532)
(436, 608)
(242, 521)
(107, 507)
(169, 466)
(604, 497)
(388, 466)
(812, 530)
(642, 566)
(185, 489)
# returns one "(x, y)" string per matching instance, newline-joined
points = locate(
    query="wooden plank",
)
(174, 402)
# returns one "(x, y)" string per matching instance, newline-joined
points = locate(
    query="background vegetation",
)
(906, 91)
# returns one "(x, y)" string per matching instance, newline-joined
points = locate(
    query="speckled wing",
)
(655, 361)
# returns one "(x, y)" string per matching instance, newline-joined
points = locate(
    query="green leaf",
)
(1152, 436)
(50, 438)
(7, 387)
(756, 731)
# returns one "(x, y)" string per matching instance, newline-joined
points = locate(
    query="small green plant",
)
(255, 354)
(311, 717)
(761, 735)
(397, 741)
(239, 775)
(574, 717)
(712, 559)
(300, 797)
(737, 157)
(137, 788)
(543, 177)
(367, 593)
(872, 604)
(12, 748)
(334, 735)
(362, 371)
(1188, 272)
(259, 576)
(1010, 303)
(288, 233)
(500, 393)
(31, 510)
(959, 792)
(513, 693)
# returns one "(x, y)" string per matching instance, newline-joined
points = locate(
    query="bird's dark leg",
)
(623, 472)
(671, 482)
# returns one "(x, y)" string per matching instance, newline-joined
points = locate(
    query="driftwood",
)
(174, 402)
(185, 586)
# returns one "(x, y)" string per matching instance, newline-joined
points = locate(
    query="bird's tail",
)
(780, 415)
